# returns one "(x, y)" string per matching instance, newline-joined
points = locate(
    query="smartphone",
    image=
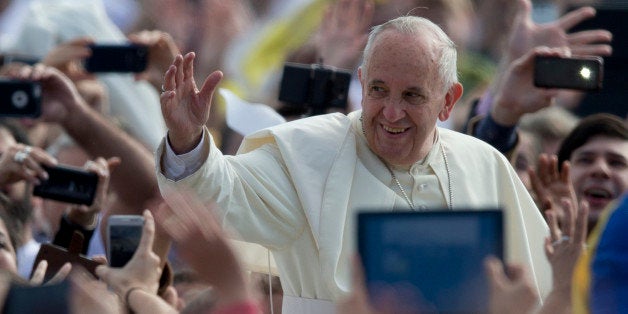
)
(68, 184)
(117, 58)
(314, 87)
(582, 73)
(123, 238)
(20, 98)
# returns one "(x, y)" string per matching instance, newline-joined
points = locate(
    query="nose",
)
(600, 169)
(393, 110)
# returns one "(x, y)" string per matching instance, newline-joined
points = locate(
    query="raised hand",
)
(550, 185)
(142, 271)
(84, 215)
(526, 34)
(67, 57)
(186, 108)
(563, 248)
(21, 162)
(202, 244)
(566, 243)
(343, 32)
(516, 94)
(511, 290)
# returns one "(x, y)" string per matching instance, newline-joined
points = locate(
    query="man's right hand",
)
(186, 108)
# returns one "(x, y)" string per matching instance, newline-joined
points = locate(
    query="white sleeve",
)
(176, 167)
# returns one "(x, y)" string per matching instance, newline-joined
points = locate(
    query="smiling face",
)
(403, 96)
(599, 171)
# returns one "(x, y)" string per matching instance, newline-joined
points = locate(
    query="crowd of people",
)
(442, 114)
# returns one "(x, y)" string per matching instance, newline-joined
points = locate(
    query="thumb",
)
(103, 271)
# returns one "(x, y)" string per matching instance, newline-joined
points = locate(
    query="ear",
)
(452, 96)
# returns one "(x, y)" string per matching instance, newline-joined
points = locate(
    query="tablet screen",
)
(433, 260)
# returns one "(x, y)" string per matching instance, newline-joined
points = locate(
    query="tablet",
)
(432, 261)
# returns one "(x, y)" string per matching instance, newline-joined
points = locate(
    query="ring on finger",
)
(27, 150)
(20, 156)
(163, 90)
(561, 240)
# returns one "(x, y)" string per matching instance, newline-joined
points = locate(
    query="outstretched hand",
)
(550, 185)
(203, 245)
(527, 34)
(186, 108)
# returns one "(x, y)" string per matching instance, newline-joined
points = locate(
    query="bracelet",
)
(128, 294)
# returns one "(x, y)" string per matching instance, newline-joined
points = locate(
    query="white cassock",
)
(295, 188)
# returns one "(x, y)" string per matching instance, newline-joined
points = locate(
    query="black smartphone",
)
(117, 58)
(20, 98)
(582, 73)
(123, 237)
(68, 184)
(314, 87)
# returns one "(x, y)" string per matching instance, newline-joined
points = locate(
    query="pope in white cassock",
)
(294, 188)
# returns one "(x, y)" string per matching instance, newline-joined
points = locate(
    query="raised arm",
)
(185, 108)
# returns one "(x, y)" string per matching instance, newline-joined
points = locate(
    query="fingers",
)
(589, 36)
(495, 270)
(575, 17)
(592, 50)
(103, 272)
(179, 63)
(148, 233)
(188, 67)
(63, 272)
(38, 275)
(570, 217)
(582, 221)
(209, 86)
(552, 221)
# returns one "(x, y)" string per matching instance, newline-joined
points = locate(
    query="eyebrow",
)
(605, 153)
(412, 88)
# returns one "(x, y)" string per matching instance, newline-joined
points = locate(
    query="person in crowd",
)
(295, 188)
(500, 109)
(591, 165)
(44, 25)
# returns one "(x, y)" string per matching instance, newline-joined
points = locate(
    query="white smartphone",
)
(123, 238)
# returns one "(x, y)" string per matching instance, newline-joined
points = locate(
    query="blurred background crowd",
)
(111, 123)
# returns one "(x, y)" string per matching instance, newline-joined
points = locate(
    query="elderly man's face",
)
(599, 172)
(402, 97)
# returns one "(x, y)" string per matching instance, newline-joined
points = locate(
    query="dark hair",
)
(601, 124)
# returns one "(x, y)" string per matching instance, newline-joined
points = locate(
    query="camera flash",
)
(585, 72)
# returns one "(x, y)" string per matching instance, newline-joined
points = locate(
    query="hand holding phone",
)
(581, 73)
(123, 237)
